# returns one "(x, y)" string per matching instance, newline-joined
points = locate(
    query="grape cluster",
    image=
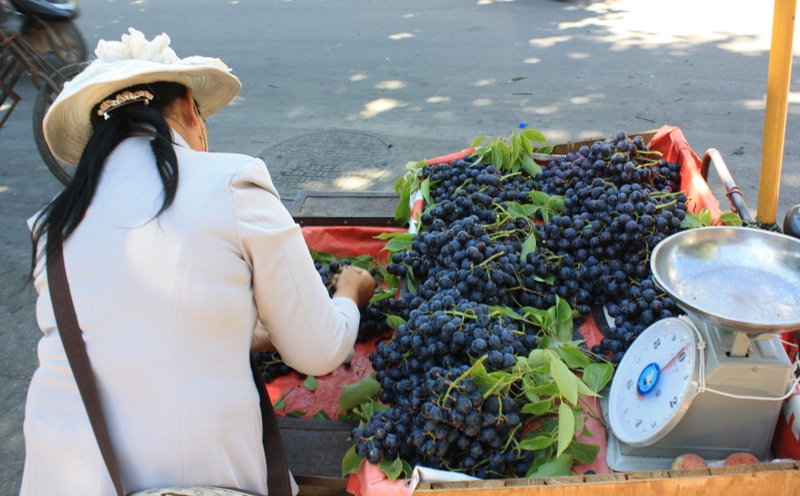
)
(440, 417)
(618, 203)
(463, 262)
(271, 366)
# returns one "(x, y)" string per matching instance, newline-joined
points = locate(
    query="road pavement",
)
(427, 77)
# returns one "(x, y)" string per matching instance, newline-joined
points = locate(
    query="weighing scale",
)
(709, 383)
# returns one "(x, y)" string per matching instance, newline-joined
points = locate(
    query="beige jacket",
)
(168, 305)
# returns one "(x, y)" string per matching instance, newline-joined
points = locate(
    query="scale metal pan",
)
(736, 278)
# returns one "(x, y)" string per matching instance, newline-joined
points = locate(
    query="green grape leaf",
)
(691, 221)
(573, 356)
(705, 217)
(321, 415)
(493, 382)
(392, 468)
(497, 156)
(539, 197)
(563, 310)
(402, 212)
(362, 262)
(425, 188)
(359, 393)
(566, 380)
(399, 243)
(369, 409)
(508, 312)
(351, 462)
(538, 408)
(550, 389)
(527, 148)
(531, 167)
(538, 358)
(529, 245)
(516, 210)
(407, 468)
(584, 452)
(584, 390)
(385, 295)
(398, 184)
(730, 219)
(530, 396)
(310, 383)
(547, 149)
(395, 321)
(556, 467)
(597, 375)
(296, 413)
(537, 443)
(477, 141)
(566, 427)
(534, 135)
(464, 184)
(390, 235)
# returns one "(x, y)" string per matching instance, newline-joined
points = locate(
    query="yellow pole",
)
(780, 71)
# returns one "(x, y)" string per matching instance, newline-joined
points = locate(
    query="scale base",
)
(618, 461)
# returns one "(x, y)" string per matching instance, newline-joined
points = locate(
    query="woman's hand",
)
(354, 283)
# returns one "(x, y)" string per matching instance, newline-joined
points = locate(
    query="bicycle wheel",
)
(60, 43)
(44, 99)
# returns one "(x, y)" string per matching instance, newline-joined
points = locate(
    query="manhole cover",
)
(329, 160)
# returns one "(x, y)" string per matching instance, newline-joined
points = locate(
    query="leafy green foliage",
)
(512, 152)
(703, 219)
(359, 393)
(310, 383)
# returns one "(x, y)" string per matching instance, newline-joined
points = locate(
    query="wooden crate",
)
(773, 479)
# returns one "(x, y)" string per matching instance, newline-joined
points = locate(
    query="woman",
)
(174, 256)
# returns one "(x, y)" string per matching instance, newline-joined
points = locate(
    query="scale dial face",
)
(654, 383)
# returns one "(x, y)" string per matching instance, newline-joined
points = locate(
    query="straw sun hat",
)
(134, 60)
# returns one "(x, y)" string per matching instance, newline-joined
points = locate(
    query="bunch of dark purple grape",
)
(618, 203)
(271, 366)
(439, 416)
(461, 262)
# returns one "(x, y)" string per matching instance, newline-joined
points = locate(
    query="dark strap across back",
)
(278, 481)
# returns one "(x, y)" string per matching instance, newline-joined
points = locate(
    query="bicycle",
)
(19, 57)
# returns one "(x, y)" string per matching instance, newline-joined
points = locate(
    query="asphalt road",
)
(427, 77)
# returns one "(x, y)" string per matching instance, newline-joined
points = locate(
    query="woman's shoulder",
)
(234, 170)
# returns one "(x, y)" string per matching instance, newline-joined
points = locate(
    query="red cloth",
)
(671, 143)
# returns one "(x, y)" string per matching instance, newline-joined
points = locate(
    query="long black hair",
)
(63, 215)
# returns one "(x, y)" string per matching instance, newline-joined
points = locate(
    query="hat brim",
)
(67, 124)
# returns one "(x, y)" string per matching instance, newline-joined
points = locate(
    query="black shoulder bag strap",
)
(278, 481)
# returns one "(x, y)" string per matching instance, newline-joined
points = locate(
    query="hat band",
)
(124, 98)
